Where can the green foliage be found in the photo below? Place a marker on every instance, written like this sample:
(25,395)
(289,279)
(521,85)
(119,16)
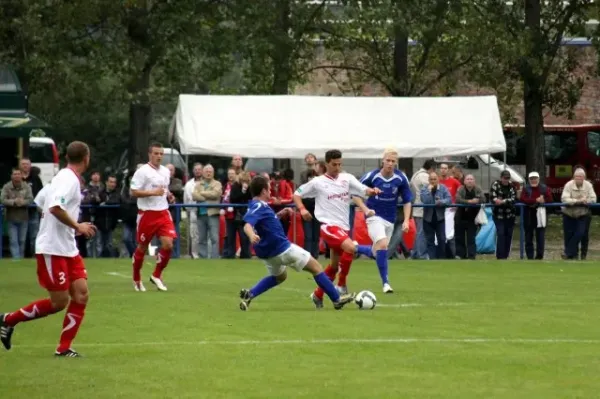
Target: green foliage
(373,40)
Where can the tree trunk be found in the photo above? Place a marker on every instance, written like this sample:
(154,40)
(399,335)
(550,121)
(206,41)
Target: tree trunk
(282,50)
(139,133)
(534,128)
(533,92)
(400,84)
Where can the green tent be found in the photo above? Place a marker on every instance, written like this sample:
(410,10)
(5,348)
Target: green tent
(21,125)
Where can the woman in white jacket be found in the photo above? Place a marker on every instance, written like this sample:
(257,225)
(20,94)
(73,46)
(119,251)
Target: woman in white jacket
(577,194)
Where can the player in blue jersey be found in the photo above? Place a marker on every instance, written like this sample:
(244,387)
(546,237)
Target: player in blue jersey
(271,244)
(380,211)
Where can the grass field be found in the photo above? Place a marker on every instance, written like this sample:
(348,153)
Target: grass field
(479,329)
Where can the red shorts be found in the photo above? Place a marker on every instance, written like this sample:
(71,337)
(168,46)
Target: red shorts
(334,236)
(154,223)
(56,273)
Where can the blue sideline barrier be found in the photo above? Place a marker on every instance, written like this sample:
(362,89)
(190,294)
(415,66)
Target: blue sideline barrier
(178,207)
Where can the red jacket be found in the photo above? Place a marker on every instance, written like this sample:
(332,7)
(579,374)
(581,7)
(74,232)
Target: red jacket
(452,185)
(530,199)
(282,190)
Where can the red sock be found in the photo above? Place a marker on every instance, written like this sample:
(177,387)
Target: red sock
(73,319)
(345,263)
(162,260)
(329,272)
(35,310)
(138,262)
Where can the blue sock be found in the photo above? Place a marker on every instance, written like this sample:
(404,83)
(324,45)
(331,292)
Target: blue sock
(382,265)
(366,250)
(263,285)
(323,281)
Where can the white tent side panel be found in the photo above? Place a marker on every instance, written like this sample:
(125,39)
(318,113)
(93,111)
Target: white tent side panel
(360,127)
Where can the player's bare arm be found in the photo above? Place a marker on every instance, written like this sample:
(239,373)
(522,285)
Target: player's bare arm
(157,192)
(86,229)
(252,236)
(363,207)
(407,213)
(303,212)
(285,212)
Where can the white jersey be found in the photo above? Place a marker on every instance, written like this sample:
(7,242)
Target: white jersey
(149,178)
(54,237)
(40,198)
(332,197)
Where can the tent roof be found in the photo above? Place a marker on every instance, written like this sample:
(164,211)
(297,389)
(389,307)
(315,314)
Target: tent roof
(19,124)
(360,127)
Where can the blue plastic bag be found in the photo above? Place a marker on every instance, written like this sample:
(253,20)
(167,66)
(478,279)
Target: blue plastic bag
(486,238)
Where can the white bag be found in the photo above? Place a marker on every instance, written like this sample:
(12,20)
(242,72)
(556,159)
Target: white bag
(481,217)
(449,218)
(541,217)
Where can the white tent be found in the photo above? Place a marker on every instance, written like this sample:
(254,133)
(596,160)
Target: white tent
(360,127)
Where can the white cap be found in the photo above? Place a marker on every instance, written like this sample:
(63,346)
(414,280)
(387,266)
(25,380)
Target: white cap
(534,174)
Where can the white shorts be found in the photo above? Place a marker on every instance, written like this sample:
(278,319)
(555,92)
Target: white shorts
(294,257)
(379,228)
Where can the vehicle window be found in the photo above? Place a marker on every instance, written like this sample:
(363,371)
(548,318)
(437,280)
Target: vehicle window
(41,153)
(593,139)
(259,165)
(560,147)
(515,149)
(175,159)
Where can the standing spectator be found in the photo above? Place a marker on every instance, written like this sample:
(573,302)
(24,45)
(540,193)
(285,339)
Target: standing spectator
(464,220)
(190,186)
(80,240)
(434,222)
(237,164)
(91,202)
(129,212)
(175,188)
(240,194)
(533,196)
(208,192)
(311,164)
(288,177)
(452,185)
(397,240)
(281,195)
(458,174)
(16,196)
(311,228)
(577,194)
(107,218)
(585,240)
(229,249)
(31,175)
(418,182)
(503,196)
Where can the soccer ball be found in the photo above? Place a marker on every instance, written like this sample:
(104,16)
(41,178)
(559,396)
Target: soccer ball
(365,300)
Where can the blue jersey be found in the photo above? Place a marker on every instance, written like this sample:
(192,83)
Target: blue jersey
(273,240)
(393,189)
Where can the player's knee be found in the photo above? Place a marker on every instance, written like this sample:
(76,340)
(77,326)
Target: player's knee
(167,245)
(81,296)
(313,267)
(59,299)
(282,277)
(381,244)
(348,247)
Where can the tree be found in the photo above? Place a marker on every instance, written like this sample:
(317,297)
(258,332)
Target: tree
(97,66)
(275,42)
(534,32)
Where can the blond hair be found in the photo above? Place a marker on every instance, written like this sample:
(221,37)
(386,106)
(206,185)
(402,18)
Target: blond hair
(390,151)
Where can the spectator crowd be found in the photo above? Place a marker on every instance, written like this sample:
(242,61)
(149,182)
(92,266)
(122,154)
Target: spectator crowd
(443,231)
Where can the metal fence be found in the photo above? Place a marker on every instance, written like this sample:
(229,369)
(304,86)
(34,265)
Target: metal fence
(179,207)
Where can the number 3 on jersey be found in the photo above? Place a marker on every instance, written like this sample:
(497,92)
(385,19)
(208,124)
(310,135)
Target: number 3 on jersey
(61,278)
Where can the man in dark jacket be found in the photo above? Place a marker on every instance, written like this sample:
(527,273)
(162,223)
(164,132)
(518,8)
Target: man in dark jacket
(107,218)
(503,196)
(31,175)
(464,220)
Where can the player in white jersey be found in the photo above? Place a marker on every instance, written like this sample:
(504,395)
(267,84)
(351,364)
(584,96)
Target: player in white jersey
(150,185)
(333,192)
(60,268)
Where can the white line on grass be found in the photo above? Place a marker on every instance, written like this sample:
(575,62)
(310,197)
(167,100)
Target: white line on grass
(117,274)
(338,341)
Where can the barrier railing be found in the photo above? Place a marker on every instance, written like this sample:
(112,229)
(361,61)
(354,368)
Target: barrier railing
(178,208)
